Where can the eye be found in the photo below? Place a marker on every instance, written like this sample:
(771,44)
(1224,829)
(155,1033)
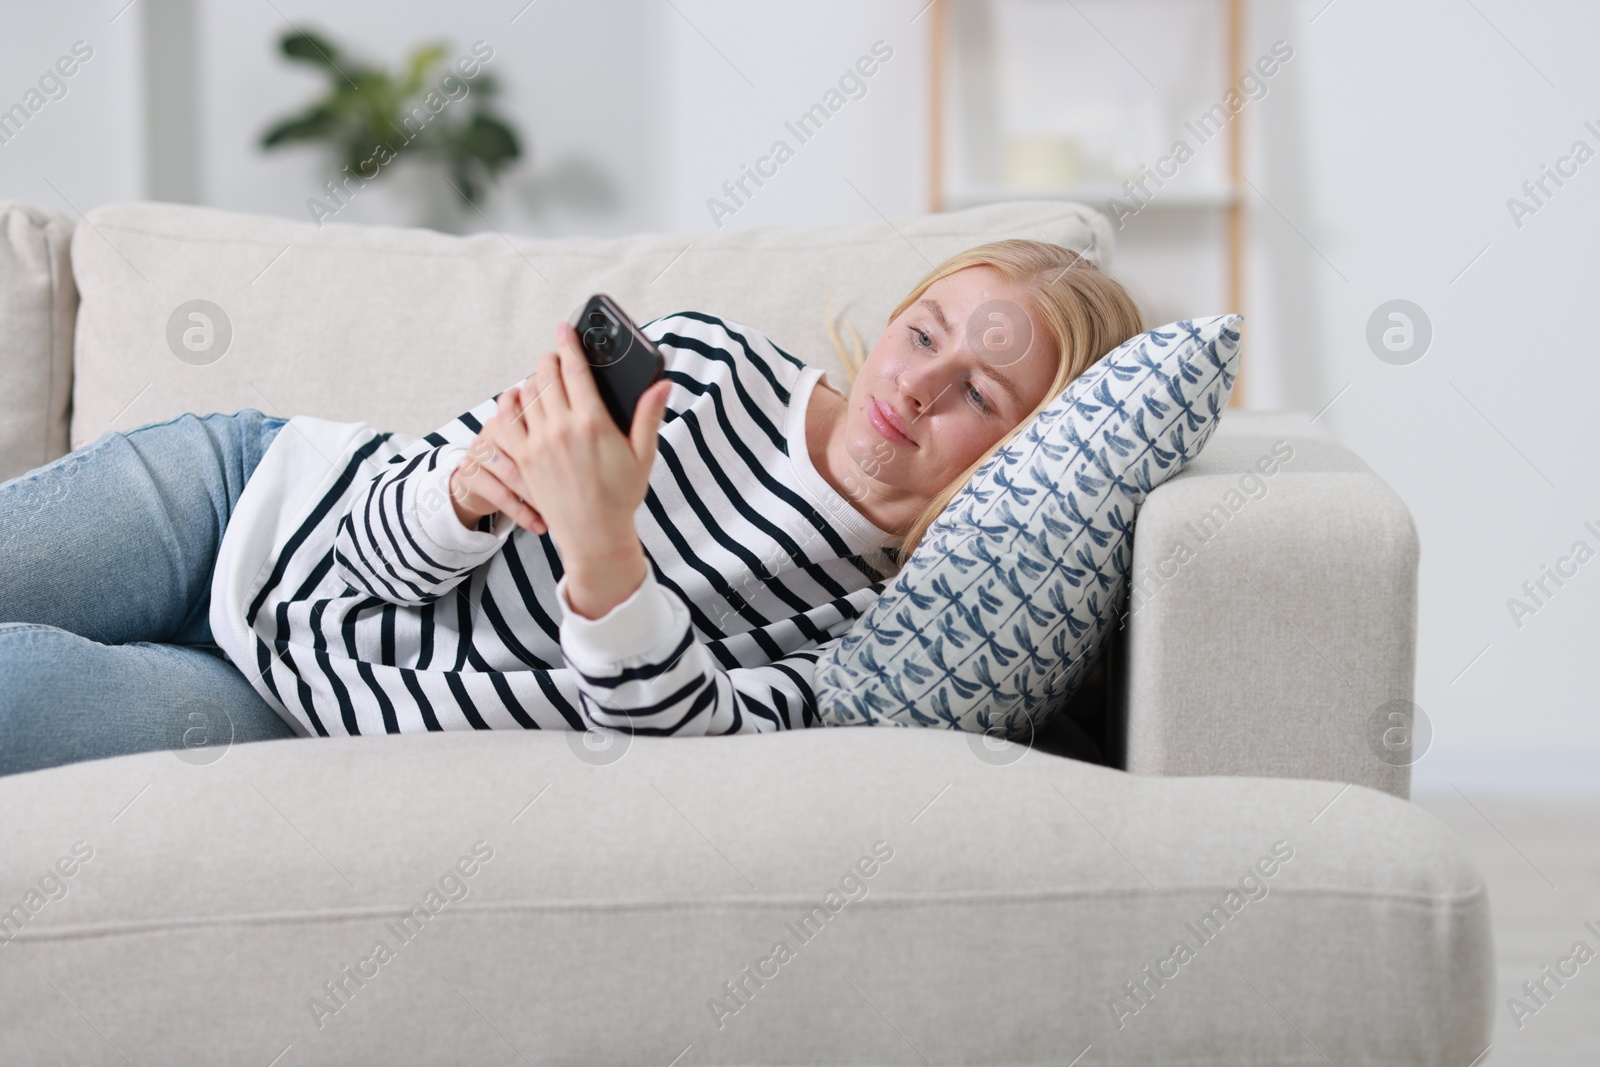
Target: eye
(922,338)
(977,399)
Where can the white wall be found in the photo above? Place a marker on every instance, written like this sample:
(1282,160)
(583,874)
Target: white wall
(1384,155)
(636,112)
(581,82)
(84,148)
(1403,131)
(743,70)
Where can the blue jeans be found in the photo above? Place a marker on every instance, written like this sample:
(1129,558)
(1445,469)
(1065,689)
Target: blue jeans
(106,557)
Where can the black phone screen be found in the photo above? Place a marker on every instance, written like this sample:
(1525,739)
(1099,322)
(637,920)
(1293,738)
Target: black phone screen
(625,363)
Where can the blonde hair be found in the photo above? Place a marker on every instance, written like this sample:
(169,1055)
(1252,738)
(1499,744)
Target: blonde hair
(1083,310)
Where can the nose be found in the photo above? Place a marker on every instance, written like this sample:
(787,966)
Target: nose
(924,382)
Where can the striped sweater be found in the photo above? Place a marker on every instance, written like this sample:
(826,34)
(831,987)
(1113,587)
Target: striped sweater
(350,594)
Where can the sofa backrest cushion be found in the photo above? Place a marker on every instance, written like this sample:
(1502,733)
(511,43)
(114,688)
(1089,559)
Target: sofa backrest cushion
(406,328)
(37,304)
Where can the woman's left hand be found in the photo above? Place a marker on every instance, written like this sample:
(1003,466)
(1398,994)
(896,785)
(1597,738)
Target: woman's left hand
(584,477)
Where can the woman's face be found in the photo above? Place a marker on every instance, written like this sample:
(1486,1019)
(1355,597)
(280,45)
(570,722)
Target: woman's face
(949,377)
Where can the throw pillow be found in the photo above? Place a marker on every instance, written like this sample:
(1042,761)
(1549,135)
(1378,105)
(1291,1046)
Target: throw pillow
(995,619)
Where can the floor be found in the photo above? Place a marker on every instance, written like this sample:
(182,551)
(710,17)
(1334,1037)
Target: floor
(1541,859)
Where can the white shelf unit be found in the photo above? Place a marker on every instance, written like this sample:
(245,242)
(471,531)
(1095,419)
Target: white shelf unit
(966,126)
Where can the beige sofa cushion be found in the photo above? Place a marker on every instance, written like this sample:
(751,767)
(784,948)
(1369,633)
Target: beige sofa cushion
(1010,905)
(405,328)
(37,302)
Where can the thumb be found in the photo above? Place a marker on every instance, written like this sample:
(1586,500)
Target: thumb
(647,419)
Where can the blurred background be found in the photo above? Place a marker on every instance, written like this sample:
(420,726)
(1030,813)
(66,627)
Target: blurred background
(1400,195)
(1432,152)
(1376,162)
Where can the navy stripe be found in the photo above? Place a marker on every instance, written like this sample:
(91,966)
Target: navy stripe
(425,645)
(559,702)
(714,528)
(347,627)
(530,599)
(386,636)
(468,708)
(319,640)
(678,696)
(509,699)
(463,629)
(347,710)
(808,699)
(302,690)
(313,520)
(400,510)
(736,498)
(757,414)
(664,523)
(701,702)
(376,499)
(835,542)
(366,572)
(429,719)
(552,558)
(758,361)
(781,703)
(507,635)
(635,674)
(391,723)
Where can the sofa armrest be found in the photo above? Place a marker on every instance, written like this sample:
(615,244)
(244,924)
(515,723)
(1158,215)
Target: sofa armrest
(1272,615)
(38,305)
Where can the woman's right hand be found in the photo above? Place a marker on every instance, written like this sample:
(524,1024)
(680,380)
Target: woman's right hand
(486,481)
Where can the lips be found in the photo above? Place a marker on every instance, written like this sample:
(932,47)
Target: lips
(887,422)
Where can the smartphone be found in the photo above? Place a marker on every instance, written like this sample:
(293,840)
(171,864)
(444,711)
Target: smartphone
(624,361)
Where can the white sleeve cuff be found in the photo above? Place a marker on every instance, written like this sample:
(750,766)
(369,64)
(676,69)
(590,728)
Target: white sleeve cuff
(641,630)
(434,513)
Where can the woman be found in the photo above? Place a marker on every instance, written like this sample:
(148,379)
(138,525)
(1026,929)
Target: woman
(527,565)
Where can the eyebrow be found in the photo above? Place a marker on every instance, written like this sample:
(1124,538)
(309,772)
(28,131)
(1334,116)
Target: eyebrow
(1006,384)
(938,313)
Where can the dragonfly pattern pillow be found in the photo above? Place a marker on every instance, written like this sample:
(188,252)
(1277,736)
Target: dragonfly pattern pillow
(995,619)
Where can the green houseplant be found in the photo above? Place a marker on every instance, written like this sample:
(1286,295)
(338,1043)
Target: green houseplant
(370,117)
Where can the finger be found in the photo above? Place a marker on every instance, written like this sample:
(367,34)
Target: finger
(487,457)
(498,449)
(491,489)
(499,439)
(576,376)
(550,397)
(512,405)
(478,453)
(647,419)
(530,390)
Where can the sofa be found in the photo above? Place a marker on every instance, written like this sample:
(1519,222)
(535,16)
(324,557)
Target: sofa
(1207,857)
